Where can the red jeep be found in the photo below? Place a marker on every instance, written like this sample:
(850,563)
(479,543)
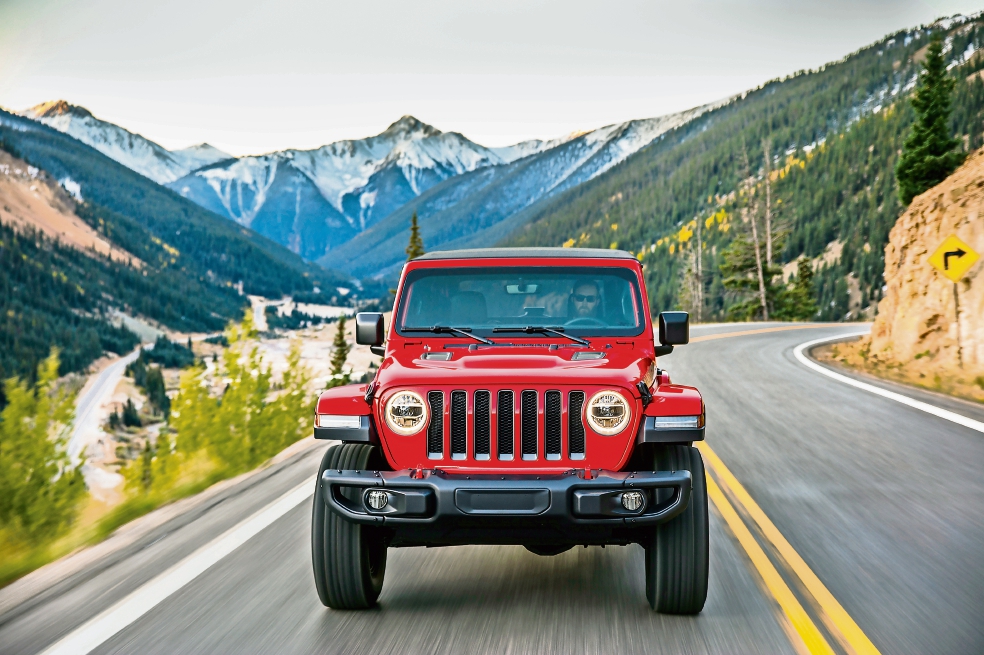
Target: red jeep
(518,402)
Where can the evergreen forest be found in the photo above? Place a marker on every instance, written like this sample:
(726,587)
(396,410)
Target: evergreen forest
(198,266)
(56,296)
(832,137)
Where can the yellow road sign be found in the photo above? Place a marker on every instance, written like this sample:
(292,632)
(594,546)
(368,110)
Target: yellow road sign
(954,258)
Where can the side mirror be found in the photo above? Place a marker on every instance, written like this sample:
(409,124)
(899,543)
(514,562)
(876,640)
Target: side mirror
(369,329)
(674,328)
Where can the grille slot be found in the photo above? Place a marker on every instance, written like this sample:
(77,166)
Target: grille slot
(435,431)
(551,424)
(483,424)
(504,413)
(459,424)
(575,428)
(529,421)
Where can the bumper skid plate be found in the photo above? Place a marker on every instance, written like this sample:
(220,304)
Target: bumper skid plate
(573,498)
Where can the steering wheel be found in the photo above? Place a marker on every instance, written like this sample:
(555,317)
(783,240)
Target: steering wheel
(587,321)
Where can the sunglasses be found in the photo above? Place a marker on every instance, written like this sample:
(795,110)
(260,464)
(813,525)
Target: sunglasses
(580,297)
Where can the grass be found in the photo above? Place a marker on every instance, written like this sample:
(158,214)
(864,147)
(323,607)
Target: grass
(923,371)
(98,520)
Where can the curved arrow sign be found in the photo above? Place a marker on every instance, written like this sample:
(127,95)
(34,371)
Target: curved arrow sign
(953,258)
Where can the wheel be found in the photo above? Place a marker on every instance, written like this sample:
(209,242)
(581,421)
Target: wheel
(676,558)
(349,559)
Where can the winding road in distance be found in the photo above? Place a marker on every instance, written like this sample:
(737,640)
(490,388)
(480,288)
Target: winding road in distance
(841,520)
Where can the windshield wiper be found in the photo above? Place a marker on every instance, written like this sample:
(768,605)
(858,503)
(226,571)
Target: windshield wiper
(461,332)
(539,329)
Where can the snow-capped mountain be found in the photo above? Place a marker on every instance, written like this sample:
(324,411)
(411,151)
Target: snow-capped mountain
(315,200)
(194,157)
(481,207)
(347,204)
(132,150)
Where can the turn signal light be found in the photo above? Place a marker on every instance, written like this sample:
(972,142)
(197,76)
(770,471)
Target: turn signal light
(336,421)
(678,422)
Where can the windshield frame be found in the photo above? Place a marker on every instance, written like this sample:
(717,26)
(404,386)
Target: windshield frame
(580,268)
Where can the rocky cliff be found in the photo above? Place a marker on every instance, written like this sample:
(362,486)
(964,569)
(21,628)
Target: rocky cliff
(917,325)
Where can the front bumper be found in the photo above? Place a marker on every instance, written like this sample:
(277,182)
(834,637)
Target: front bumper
(432,507)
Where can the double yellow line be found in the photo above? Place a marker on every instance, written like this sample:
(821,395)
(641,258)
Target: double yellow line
(838,622)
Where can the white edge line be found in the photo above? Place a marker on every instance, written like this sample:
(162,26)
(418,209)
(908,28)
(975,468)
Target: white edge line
(96,631)
(884,393)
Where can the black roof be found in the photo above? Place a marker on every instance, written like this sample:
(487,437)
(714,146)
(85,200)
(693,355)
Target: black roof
(500,253)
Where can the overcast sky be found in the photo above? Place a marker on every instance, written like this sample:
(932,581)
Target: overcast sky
(252,77)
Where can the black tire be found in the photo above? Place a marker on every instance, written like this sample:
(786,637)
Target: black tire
(676,558)
(349,559)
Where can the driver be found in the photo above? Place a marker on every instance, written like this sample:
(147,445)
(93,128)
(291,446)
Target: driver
(586,300)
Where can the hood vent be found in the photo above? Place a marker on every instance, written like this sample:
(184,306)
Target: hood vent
(586,354)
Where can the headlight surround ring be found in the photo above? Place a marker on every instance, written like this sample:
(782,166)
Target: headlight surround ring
(608,412)
(406,413)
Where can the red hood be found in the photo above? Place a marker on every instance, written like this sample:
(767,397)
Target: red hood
(622,365)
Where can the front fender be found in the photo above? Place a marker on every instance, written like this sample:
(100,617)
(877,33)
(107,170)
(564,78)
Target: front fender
(347,400)
(672,400)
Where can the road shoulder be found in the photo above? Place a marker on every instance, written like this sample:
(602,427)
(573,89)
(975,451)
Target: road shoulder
(77,567)
(961,406)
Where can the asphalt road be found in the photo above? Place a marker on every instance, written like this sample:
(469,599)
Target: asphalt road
(885,504)
(92,397)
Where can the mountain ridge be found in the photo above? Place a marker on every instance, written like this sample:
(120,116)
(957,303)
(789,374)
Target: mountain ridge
(128,148)
(478,208)
(315,201)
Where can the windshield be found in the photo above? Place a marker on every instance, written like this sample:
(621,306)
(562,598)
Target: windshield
(585,301)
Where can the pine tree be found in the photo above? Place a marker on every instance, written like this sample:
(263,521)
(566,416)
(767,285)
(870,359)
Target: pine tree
(929,155)
(156,391)
(416,246)
(752,213)
(798,303)
(340,351)
(162,462)
(147,468)
(130,416)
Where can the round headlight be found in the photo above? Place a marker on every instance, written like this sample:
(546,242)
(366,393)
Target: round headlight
(608,412)
(406,413)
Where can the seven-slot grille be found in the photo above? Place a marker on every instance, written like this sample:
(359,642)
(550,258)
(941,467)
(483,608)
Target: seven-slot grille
(512,424)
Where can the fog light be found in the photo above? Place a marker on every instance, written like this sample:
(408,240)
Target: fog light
(377,499)
(633,500)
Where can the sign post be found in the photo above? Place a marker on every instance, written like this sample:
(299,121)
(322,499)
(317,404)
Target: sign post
(953,259)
